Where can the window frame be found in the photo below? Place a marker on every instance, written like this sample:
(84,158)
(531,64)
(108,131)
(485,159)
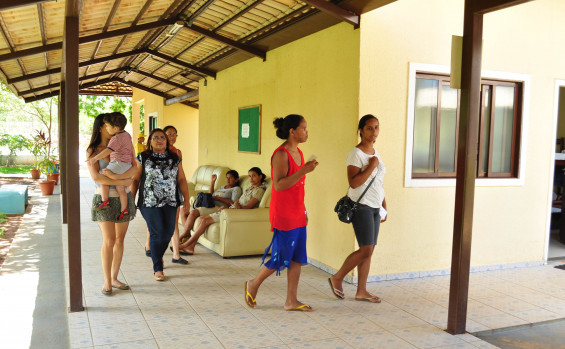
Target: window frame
(521,138)
(443,81)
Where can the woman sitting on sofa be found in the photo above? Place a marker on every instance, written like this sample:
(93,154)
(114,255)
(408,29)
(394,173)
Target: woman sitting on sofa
(223,197)
(250,199)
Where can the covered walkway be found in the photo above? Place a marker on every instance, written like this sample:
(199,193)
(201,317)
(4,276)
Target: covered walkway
(202,304)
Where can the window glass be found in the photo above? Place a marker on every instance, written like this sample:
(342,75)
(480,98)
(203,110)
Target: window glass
(448,129)
(425,126)
(502,129)
(486,128)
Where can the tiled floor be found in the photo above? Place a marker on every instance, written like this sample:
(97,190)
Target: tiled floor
(202,304)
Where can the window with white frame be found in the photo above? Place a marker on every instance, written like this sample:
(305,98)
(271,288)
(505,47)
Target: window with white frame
(436,123)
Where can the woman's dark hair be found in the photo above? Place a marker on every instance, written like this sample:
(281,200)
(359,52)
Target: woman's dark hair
(235,175)
(364,119)
(168,127)
(259,172)
(96,137)
(283,126)
(149,150)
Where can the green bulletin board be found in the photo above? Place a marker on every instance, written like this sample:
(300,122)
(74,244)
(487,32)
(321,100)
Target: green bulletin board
(249,129)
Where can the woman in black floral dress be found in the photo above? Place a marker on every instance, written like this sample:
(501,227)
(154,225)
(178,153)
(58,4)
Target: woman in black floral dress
(162,180)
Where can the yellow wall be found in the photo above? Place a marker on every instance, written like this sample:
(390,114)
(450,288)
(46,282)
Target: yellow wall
(182,117)
(510,223)
(317,77)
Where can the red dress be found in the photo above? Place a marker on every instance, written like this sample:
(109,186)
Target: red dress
(287,209)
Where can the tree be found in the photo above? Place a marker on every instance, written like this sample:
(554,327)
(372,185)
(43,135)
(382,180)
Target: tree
(14,144)
(92,106)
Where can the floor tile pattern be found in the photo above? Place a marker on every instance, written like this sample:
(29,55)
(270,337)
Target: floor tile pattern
(202,305)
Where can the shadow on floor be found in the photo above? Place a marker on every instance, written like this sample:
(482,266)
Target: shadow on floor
(550,335)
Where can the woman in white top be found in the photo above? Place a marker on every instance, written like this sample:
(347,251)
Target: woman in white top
(363,164)
(224,196)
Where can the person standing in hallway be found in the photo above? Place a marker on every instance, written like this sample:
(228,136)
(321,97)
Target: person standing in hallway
(162,181)
(113,230)
(364,165)
(139,146)
(172,135)
(287,213)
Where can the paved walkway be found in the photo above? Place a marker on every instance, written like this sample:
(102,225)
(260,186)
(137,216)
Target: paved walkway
(202,304)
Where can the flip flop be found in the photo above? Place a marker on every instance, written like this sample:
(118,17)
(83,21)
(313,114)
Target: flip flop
(338,293)
(303,307)
(121,287)
(182,252)
(377,299)
(247,294)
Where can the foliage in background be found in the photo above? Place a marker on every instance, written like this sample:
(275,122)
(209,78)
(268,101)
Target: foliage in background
(14,143)
(3,219)
(142,118)
(92,106)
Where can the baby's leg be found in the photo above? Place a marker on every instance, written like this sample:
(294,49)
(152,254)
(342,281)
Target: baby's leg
(123,197)
(104,192)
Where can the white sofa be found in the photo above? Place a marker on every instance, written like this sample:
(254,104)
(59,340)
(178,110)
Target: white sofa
(201,179)
(240,232)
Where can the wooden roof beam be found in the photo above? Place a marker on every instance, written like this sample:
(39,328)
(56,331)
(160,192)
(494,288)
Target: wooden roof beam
(238,45)
(336,11)
(144,88)
(86,77)
(486,6)
(81,64)
(86,39)
(199,11)
(12,4)
(56,93)
(163,80)
(181,63)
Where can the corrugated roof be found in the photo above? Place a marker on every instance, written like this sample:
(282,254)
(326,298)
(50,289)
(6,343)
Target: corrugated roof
(162,46)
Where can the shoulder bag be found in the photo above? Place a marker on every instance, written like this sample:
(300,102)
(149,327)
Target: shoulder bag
(345,207)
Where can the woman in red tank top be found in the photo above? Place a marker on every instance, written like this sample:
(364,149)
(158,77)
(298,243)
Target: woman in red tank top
(287,212)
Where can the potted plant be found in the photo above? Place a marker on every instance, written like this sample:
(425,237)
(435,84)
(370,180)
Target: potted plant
(35,146)
(45,162)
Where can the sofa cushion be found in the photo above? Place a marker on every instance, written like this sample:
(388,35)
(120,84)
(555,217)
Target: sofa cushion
(266,200)
(213,233)
(202,177)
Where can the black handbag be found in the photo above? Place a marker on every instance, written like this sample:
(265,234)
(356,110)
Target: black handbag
(345,207)
(204,200)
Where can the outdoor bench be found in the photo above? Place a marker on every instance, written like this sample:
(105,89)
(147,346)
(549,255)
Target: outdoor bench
(13,198)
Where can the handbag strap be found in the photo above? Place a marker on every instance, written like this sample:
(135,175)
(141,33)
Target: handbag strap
(364,191)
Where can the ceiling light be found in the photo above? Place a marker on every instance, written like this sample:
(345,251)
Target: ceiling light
(177,26)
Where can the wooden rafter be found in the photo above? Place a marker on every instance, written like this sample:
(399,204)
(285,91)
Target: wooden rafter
(56,85)
(222,39)
(43,41)
(150,38)
(162,80)
(56,93)
(199,11)
(144,88)
(336,11)
(237,15)
(85,39)
(11,48)
(486,6)
(81,64)
(182,63)
(12,4)
(104,30)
